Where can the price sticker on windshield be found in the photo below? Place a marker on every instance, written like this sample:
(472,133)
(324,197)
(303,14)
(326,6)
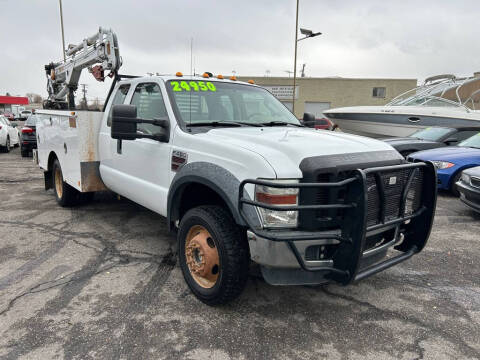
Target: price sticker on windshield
(192,86)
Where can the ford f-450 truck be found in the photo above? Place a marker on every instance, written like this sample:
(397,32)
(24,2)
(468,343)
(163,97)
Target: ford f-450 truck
(240,179)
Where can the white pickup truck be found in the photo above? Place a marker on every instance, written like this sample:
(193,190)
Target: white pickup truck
(240,179)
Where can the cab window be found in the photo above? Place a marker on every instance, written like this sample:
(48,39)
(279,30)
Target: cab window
(119,98)
(149,102)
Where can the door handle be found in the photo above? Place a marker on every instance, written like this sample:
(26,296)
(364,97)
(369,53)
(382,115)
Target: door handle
(413,119)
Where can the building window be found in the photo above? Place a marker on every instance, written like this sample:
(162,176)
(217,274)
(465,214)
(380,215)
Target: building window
(379,92)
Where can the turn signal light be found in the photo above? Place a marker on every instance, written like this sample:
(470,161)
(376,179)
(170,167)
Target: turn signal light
(26,130)
(274,199)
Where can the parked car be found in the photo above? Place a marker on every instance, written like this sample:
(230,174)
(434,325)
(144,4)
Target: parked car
(432,138)
(317,123)
(9,115)
(8,134)
(451,161)
(469,188)
(24,114)
(28,136)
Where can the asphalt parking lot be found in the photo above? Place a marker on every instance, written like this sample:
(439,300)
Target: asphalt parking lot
(101,281)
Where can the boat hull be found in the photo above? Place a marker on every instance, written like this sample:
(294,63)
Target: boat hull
(393,125)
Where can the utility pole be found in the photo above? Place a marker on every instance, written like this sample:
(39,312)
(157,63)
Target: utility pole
(84,90)
(63,34)
(295,62)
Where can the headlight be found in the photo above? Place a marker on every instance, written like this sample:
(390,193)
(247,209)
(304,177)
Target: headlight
(465,178)
(442,164)
(277,197)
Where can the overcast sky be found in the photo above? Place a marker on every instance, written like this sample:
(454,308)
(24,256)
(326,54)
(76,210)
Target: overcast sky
(394,39)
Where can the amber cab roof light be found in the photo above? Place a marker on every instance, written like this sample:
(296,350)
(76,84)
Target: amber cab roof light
(219,76)
(233,77)
(251,81)
(206,75)
(179,74)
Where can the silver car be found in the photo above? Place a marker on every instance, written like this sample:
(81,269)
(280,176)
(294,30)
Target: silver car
(469,188)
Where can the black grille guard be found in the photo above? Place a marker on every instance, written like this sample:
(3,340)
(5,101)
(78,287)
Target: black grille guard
(353,231)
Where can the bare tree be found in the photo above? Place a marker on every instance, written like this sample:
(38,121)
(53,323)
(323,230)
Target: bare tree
(37,99)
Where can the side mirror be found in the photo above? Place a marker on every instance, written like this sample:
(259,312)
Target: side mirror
(451,141)
(308,120)
(124,125)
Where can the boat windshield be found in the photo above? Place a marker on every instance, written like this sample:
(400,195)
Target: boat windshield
(431,133)
(442,91)
(433,101)
(216,103)
(473,142)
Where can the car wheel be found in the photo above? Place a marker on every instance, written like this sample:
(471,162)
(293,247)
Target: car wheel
(64,193)
(453,186)
(213,254)
(7,144)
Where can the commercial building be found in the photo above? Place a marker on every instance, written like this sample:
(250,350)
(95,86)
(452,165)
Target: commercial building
(9,103)
(314,95)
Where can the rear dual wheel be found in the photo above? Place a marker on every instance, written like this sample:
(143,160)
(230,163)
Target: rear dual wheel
(213,254)
(64,193)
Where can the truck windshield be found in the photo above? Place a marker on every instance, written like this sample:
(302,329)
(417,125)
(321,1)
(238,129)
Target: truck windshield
(213,102)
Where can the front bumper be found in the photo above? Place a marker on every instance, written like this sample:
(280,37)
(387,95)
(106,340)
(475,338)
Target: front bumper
(283,254)
(469,195)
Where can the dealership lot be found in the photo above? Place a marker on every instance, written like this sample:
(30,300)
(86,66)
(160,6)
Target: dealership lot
(101,281)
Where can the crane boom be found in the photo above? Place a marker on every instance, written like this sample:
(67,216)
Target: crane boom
(100,49)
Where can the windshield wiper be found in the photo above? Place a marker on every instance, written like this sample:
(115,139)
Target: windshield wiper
(279,123)
(216,123)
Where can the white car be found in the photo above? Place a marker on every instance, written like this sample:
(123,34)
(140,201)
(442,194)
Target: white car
(8,134)
(24,114)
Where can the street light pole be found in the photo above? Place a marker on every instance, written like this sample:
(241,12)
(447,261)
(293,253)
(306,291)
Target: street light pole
(295,62)
(63,35)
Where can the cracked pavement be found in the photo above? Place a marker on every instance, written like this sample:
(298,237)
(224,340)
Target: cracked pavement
(101,281)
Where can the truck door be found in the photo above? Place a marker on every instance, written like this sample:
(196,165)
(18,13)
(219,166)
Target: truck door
(144,164)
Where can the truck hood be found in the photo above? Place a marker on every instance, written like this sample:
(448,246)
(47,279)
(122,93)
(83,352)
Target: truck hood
(285,147)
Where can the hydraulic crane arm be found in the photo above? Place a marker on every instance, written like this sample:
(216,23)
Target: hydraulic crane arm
(100,50)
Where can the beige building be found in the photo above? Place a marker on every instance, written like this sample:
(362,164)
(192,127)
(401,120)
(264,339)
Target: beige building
(314,95)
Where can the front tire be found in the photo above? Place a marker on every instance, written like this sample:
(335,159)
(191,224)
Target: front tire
(64,193)
(213,254)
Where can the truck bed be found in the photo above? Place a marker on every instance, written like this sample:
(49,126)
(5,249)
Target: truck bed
(72,136)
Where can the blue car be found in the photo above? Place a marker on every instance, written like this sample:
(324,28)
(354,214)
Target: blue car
(450,161)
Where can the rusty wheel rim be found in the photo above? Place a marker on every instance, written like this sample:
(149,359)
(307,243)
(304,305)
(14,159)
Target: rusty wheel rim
(202,257)
(58,182)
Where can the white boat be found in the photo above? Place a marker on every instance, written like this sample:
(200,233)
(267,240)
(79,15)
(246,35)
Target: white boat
(442,100)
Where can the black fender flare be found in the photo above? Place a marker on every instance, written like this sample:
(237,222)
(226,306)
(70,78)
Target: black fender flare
(217,178)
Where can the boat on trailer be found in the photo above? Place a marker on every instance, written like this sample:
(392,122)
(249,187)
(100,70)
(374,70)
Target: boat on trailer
(442,100)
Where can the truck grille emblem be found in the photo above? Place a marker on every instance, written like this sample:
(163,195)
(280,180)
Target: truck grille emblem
(179,159)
